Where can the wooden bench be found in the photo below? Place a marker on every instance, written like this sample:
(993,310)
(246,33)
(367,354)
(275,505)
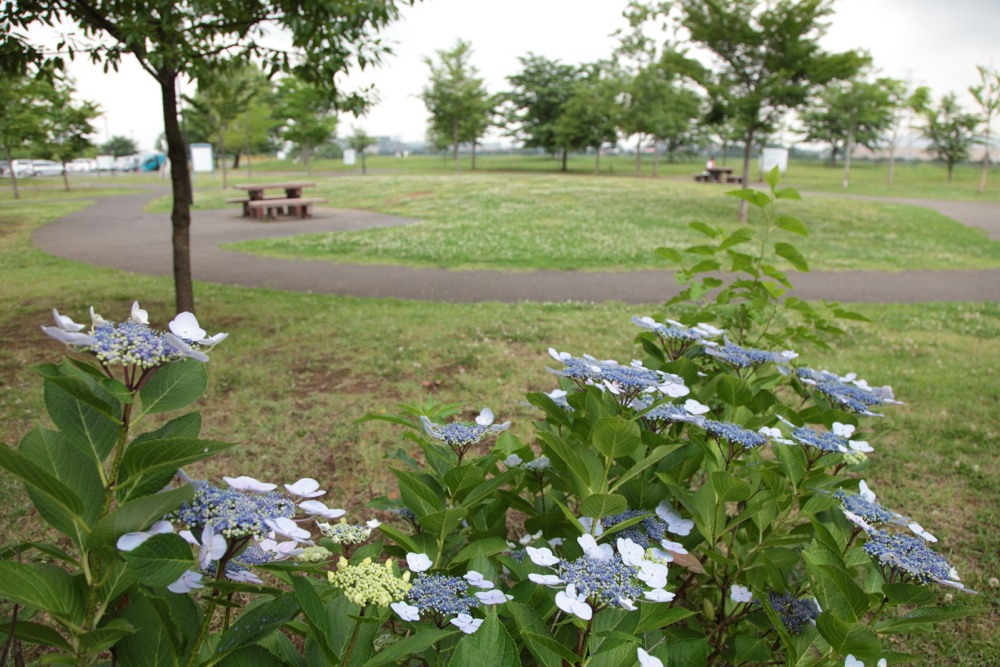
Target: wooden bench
(246,200)
(734,179)
(300,206)
(701,178)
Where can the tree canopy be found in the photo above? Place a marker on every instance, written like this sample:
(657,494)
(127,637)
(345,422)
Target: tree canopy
(950,131)
(456,98)
(768,60)
(536,100)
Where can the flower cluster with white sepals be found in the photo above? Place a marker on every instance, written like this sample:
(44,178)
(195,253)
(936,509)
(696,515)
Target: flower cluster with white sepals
(625,382)
(851,661)
(746,357)
(601,577)
(863,510)
(442,596)
(133,342)
(847,391)
(676,337)
(461,435)
(837,440)
(246,523)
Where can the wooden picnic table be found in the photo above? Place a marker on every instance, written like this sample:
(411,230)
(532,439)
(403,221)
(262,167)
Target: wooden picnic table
(258,203)
(716,173)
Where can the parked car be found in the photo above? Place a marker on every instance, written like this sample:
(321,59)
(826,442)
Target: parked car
(82,164)
(46,168)
(21,168)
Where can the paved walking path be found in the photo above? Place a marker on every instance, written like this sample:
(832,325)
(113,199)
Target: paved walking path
(117,233)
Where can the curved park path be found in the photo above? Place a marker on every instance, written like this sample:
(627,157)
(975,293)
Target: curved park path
(116,232)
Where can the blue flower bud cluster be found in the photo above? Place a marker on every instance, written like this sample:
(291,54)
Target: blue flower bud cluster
(849,395)
(232,513)
(460,434)
(743,357)
(828,441)
(604,581)
(441,594)
(630,379)
(733,433)
(869,510)
(666,412)
(910,555)
(795,613)
(131,344)
(644,533)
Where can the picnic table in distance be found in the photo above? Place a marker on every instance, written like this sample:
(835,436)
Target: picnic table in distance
(716,175)
(258,204)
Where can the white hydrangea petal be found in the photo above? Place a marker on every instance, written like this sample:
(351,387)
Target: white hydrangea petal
(418,562)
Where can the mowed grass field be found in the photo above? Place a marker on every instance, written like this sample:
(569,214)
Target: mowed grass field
(513,221)
(300,369)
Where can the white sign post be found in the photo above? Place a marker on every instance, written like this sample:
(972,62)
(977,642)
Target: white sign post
(201,159)
(350,156)
(774,157)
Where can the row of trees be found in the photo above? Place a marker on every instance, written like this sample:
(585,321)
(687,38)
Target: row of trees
(41,112)
(765,61)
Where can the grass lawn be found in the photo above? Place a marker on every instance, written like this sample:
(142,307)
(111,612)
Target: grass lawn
(514,221)
(299,369)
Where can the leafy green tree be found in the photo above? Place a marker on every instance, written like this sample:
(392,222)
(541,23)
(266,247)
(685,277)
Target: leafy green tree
(308,115)
(949,131)
(589,117)
(24,104)
(537,99)
(67,127)
(223,95)
(987,95)
(173,37)
(768,60)
(456,99)
(119,145)
(904,100)
(360,141)
(851,113)
(254,129)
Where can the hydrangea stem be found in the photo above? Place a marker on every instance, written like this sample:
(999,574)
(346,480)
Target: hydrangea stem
(354,638)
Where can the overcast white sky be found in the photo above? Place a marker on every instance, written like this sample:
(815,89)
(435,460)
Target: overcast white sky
(928,42)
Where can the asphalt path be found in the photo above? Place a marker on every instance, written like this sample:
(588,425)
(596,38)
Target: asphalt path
(116,232)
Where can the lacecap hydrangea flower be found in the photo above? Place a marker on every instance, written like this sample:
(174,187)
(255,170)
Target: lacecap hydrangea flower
(133,342)
(601,577)
(795,613)
(848,391)
(911,558)
(627,382)
(864,511)
(233,514)
(745,357)
(675,337)
(461,435)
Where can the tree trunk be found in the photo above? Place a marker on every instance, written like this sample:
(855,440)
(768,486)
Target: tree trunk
(951,166)
(306,154)
(597,162)
(833,156)
(986,162)
(473,156)
(638,157)
(747,150)
(454,138)
(222,157)
(236,160)
(565,155)
(13,176)
(249,161)
(847,159)
(364,165)
(892,157)
(65,176)
(656,159)
(180,215)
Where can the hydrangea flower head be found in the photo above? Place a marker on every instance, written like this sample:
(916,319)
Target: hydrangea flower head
(912,557)
(232,513)
(733,433)
(346,533)
(129,343)
(625,381)
(848,392)
(745,357)
(461,434)
(370,582)
(795,613)
(441,594)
